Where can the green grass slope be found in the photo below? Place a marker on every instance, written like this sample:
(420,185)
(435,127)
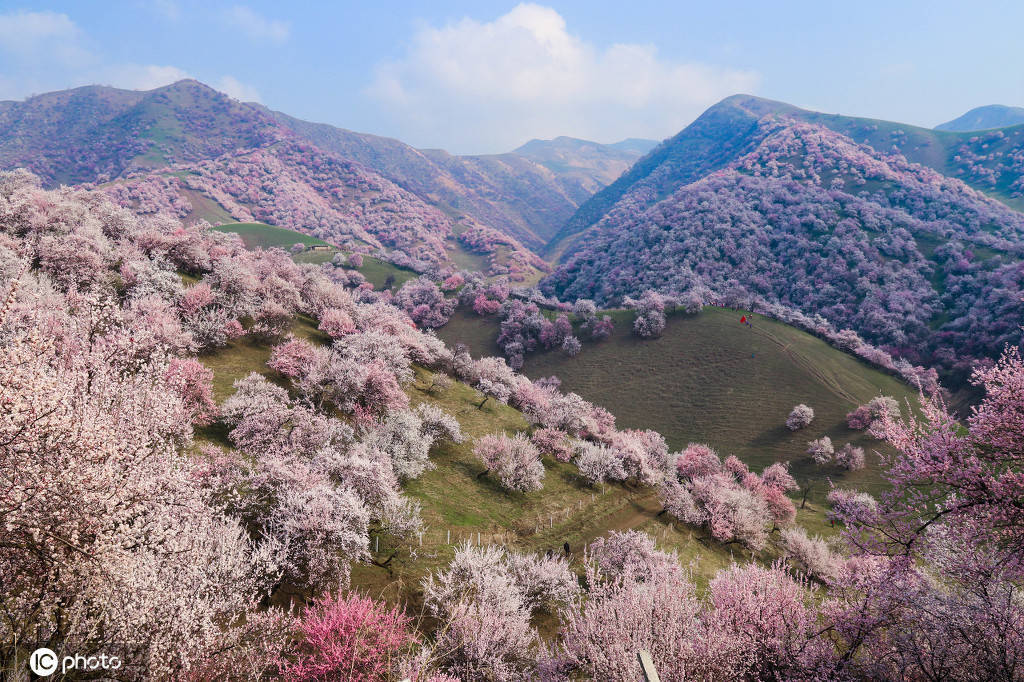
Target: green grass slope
(263,236)
(459,505)
(710,379)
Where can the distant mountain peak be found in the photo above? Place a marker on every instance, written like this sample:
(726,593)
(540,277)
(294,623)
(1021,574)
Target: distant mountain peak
(632,145)
(985,118)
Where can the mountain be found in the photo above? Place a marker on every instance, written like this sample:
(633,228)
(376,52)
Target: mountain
(761,200)
(636,145)
(527,195)
(985,118)
(708,143)
(97,133)
(594,165)
(498,203)
(992,162)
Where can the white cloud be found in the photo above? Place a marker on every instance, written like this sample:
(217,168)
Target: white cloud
(257,27)
(141,76)
(46,51)
(45,36)
(490,86)
(232,87)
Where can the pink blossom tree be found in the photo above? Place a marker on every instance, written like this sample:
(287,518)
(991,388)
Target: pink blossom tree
(193,381)
(348,637)
(850,457)
(554,442)
(821,449)
(800,417)
(513,461)
(425,303)
(336,323)
(650,315)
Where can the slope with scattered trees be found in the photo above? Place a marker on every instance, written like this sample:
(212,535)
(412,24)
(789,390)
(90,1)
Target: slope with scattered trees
(915,262)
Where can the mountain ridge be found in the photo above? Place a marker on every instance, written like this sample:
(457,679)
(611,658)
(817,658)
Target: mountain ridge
(514,192)
(800,215)
(992,162)
(985,117)
(99,134)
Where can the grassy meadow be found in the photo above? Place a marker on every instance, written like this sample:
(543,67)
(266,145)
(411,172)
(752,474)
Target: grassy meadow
(706,379)
(710,379)
(263,236)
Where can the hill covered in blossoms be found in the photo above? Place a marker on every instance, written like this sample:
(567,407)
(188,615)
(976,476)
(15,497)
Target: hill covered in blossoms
(99,134)
(204,449)
(991,161)
(295,185)
(738,209)
(527,193)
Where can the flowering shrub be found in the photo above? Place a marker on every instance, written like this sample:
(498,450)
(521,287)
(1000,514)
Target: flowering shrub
(514,461)
(799,418)
(348,637)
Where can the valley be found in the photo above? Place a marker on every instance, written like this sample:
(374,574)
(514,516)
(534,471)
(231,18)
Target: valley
(332,406)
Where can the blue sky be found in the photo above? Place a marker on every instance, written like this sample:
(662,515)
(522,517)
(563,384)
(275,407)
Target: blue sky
(487,76)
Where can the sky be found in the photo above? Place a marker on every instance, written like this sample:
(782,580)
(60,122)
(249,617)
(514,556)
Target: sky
(484,77)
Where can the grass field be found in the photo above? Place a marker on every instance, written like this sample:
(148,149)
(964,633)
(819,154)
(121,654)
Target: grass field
(466,259)
(378,272)
(260,235)
(205,208)
(459,505)
(698,382)
(710,379)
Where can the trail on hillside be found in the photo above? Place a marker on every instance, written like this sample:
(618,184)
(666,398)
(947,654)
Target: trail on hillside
(828,381)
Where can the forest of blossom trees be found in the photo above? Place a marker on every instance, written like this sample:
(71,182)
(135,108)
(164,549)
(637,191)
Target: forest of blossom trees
(95,134)
(914,262)
(295,185)
(994,160)
(127,530)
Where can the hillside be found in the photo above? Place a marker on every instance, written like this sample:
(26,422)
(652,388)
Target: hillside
(96,133)
(295,185)
(705,379)
(593,165)
(985,118)
(526,193)
(717,137)
(457,503)
(99,134)
(913,261)
(992,163)
(708,379)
